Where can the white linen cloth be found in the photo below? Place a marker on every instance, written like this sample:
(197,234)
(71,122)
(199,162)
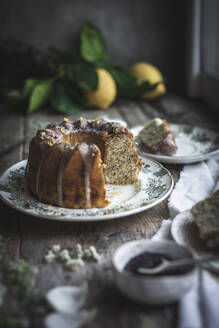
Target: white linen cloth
(199,308)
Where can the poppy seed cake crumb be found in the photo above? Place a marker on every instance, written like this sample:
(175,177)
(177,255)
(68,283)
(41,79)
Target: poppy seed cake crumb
(157,137)
(122,164)
(206,216)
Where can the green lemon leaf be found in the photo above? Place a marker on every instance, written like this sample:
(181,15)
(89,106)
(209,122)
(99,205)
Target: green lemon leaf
(18,97)
(40,95)
(15,97)
(122,77)
(104,63)
(147,86)
(64,57)
(29,85)
(83,75)
(92,43)
(137,90)
(62,101)
(128,86)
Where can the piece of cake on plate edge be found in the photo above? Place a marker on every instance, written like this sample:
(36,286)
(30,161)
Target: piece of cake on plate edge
(158,138)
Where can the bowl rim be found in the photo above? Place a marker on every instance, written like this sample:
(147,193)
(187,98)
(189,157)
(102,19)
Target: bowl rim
(151,278)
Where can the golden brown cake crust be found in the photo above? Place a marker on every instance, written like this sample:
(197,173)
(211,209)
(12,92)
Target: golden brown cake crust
(65,167)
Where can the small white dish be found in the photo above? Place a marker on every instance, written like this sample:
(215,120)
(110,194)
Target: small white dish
(152,290)
(154,185)
(185,233)
(194,143)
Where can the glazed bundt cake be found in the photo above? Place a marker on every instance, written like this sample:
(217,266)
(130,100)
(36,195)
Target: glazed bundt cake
(158,138)
(70,162)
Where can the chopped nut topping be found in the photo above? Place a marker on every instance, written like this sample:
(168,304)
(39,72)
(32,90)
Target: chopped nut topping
(51,142)
(69,146)
(60,212)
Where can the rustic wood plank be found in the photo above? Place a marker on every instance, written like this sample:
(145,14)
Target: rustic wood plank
(131,112)
(150,111)
(12,138)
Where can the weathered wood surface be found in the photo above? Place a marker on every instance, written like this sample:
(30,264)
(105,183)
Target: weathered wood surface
(30,237)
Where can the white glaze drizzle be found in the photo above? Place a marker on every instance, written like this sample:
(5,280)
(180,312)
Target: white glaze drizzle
(87,157)
(62,164)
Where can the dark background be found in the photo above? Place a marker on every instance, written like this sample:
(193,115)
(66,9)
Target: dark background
(140,30)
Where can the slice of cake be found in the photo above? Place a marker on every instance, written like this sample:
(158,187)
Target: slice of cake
(206,216)
(158,138)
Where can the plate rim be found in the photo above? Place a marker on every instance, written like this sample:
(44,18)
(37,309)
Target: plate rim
(86,218)
(176,219)
(179,159)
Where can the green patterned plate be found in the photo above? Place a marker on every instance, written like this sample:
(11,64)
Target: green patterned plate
(194,143)
(154,185)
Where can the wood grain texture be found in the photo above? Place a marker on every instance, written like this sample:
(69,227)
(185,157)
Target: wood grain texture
(11,151)
(31,237)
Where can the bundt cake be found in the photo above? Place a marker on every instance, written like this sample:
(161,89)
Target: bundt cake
(70,162)
(158,138)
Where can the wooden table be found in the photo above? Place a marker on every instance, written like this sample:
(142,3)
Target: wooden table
(31,237)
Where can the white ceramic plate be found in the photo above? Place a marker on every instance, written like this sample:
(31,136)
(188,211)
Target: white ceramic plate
(154,185)
(194,143)
(185,233)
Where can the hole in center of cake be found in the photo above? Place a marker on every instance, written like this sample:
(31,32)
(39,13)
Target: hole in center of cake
(85,137)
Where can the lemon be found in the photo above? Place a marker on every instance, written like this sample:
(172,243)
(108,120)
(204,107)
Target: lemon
(146,72)
(106,90)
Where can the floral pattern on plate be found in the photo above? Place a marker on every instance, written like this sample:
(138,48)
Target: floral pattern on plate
(154,185)
(194,143)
